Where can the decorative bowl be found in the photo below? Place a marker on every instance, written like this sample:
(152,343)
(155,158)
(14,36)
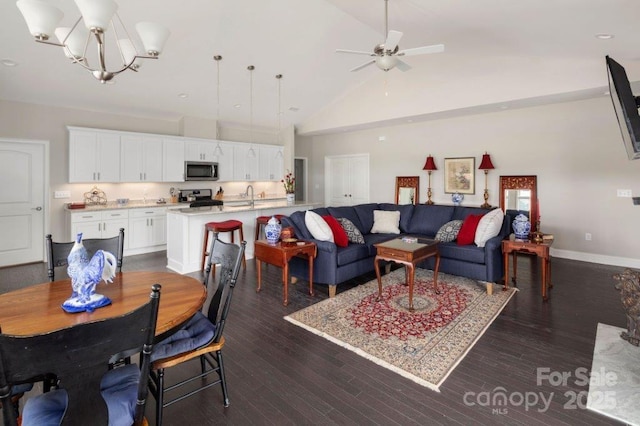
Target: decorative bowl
(122,201)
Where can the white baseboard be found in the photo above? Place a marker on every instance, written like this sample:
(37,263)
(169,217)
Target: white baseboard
(596,258)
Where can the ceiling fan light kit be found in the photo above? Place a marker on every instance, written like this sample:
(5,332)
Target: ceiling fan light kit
(98,17)
(386,54)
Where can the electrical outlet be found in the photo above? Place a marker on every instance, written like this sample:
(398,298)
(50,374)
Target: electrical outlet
(587,236)
(62,194)
(626,193)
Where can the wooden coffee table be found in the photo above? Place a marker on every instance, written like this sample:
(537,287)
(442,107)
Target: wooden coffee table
(408,254)
(279,254)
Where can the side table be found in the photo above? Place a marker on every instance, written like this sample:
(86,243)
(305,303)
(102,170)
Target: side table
(279,254)
(514,246)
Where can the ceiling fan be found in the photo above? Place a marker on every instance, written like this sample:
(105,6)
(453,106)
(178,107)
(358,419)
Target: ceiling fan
(386,55)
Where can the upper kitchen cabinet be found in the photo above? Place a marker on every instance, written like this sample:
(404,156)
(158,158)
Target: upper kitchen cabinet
(199,150)
(246,158)
(94,156)
(173,160)
(271,163)
(141,158)
(224,158)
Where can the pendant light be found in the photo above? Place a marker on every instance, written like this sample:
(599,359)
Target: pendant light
(251,153)
(279,78)
(218,151)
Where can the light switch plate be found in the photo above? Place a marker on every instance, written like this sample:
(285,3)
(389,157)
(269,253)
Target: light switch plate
(626,193)
(62,194)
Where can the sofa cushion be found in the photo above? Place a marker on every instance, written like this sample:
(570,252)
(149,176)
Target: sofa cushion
(385,222)
(460,212)
(468,230)
(489,227)
(365,214)
(353,233)
(352,253)
(297,219)
(469,253)
(406,211)
(339,236)
(318,226)
(346,212)
(321,211)
(427,219)
(449,231)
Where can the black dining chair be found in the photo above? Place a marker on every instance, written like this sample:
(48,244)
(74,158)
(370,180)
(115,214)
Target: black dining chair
(57,253)
(202,336)
(89,390)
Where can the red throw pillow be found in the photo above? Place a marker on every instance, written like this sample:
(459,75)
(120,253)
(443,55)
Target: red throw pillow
(339,236)
(468,230)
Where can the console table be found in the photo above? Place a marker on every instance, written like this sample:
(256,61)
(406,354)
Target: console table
(514,246)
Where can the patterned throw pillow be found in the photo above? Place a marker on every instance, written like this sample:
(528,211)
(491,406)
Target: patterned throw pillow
(449,231)
(353,233)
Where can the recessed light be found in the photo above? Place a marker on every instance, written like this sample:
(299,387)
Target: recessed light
(8,62)
(183,95)
(294,109)
(604,36)
(236,106)
(504,107)
(409,120)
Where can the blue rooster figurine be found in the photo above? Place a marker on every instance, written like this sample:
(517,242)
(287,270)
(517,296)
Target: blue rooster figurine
(85,275)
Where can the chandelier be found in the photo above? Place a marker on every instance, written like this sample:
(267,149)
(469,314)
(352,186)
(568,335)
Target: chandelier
(98,16)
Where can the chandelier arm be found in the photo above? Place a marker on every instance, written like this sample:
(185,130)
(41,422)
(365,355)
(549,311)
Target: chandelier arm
(100,41)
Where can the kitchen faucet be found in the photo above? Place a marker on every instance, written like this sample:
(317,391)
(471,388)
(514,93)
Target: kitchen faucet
(252,202)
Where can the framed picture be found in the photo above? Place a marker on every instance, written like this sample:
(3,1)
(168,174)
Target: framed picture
(460,175)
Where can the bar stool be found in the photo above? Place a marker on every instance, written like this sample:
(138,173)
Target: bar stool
(216,228)
(262,221)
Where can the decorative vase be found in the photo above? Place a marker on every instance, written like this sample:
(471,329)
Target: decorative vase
(457,198)
(521,227)
(272,230)
(291,198)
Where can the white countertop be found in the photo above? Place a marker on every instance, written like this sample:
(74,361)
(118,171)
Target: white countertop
(259,205)
(235,203)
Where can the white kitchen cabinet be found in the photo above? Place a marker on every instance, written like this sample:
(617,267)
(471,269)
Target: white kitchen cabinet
(246,158)
(347,180)
(172,160)
(225,160)
(141,158)
(199,150)
(94,156)
(271,163)
(148,227)
(99,224)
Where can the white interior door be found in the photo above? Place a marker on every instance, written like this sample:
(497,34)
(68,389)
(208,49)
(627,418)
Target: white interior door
(22,201)
(346,180)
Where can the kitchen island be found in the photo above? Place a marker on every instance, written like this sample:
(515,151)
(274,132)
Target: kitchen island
(185,229)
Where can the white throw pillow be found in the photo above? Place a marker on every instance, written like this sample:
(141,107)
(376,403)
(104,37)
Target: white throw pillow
(385,222)
(489,227)
(318,227)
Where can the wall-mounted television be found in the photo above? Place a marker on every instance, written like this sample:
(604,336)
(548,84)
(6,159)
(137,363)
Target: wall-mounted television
(626,107)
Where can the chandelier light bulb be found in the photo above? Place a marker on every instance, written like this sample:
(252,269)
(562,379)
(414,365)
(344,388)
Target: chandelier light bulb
(97,14)
(41,18)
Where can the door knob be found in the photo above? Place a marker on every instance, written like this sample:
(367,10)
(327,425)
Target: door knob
(37,208)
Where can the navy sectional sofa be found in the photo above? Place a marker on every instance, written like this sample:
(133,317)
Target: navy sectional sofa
(334,265)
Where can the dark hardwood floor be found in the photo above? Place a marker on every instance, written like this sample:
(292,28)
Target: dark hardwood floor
(280,374)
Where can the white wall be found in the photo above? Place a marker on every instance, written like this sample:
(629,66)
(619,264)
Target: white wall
(574,148)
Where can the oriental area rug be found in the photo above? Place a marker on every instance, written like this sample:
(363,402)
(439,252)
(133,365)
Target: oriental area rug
(425,345)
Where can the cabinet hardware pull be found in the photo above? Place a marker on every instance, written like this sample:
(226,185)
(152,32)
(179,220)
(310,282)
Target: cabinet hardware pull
(98,175)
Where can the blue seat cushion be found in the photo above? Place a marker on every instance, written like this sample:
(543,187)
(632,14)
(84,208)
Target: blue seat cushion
(427,219)
(119,388)
(365,214)
(346,212)
(352,253)
(468,253)
(198,332)
(25,387)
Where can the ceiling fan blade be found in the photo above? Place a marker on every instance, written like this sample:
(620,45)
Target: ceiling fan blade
(403,66)
(436,48)
(393,38)
(357,52)
(359,67)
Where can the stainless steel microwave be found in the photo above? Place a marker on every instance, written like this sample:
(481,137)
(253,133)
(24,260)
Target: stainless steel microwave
(200,170)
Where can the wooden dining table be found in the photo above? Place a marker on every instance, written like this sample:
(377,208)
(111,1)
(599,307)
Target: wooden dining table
(37,309)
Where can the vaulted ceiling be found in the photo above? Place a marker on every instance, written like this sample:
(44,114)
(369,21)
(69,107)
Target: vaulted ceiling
(498,54)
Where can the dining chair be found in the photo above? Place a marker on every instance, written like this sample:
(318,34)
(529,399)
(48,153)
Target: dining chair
(57,253)
(202,336)
(88,391)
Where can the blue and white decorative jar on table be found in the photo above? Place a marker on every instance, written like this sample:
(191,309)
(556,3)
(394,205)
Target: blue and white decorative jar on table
(521,227)
(457,198)
(272,230)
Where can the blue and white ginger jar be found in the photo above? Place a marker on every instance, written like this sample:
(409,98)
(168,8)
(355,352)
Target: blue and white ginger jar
(521,227)
(272,230)
(457,198)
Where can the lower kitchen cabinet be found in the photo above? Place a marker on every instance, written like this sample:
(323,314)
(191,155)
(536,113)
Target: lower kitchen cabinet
(148,227)
(99,224)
